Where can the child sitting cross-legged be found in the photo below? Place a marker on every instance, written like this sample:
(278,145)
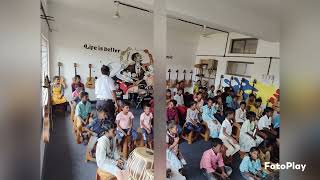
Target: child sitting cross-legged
(174,155)
(225,134)
(212,165)
(248,133)
(124,122)
(208,112)
(192,119)
(146,125)
(250,166)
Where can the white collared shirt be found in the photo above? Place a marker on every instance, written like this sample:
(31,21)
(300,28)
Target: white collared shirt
(104,87)
(264,122)
(225,124)
(179,99)
(240,115)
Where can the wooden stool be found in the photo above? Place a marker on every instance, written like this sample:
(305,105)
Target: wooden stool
(236,130)
(102,175)
(206,133)
(125,147)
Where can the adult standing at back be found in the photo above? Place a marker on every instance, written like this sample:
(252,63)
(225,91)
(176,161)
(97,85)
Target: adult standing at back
(105,93)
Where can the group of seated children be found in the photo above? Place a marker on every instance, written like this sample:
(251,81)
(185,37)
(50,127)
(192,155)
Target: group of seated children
(104,135)
(219,112)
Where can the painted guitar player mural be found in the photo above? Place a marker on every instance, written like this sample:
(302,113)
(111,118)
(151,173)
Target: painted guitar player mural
(134,72)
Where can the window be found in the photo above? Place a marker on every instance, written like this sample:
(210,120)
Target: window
(44,67)
(239,68)
(244,46)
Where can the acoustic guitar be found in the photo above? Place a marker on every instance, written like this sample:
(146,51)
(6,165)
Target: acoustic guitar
(184,77)
(62,81)
(169,80)
(189,84)
(90,79)
(253,84)
(75,65)
(230,83)
(221,77)
(177,77)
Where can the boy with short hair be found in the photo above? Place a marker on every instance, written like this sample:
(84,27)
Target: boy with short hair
(264,124)
(97,127)
(225,134)
(241,113)
(192,119)
(179,98)
(211,92)
(77,83)
(146,124)
(124,122)
(107,155)
(119,94)
(256,107)
(250,166)
(83,113)
(213,124)
(212,164)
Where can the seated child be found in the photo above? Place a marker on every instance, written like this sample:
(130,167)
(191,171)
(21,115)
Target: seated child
(168,96)
(107,155)
(83,114)
(77,83)
(212,164)
(265,149)
(192,119)
(256,108)
(264,124)
(179,98)
(172,140)
(199,100)
(218,92)
(248,133)
(57,96)
(172,114)
(119,95)
(241,113)
(250,166)
(96,128)
(208,112)
(218,105)
(211,92)
(234,103)
(76,96)
(124,122)
(250,101)
(225,134)
(146,125)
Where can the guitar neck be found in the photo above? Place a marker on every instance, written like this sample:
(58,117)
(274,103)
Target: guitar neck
(59,71)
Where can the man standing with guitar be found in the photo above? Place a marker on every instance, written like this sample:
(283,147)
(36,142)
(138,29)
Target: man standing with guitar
(105,93)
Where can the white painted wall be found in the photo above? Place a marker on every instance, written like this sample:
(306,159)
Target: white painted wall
(213,46)
(75,27)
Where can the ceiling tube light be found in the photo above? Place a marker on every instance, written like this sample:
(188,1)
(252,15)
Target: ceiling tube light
(116,14)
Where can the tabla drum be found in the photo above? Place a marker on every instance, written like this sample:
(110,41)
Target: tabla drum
(149,175)
(140,160)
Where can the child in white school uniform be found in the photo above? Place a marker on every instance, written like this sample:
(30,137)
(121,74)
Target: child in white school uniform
(248,133)
(225,134)
(241,113)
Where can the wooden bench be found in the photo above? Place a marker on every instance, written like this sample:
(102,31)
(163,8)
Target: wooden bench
(236,131)
(140,141)
(102,175)
(192,136)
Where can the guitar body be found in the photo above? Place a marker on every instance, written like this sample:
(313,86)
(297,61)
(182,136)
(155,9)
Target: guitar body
(90,82)
(90,79)
(189,83)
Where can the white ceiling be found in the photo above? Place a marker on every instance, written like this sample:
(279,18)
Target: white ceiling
(259,18)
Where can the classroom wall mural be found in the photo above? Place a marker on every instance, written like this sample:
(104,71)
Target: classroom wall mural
(133,71)
(266,90)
